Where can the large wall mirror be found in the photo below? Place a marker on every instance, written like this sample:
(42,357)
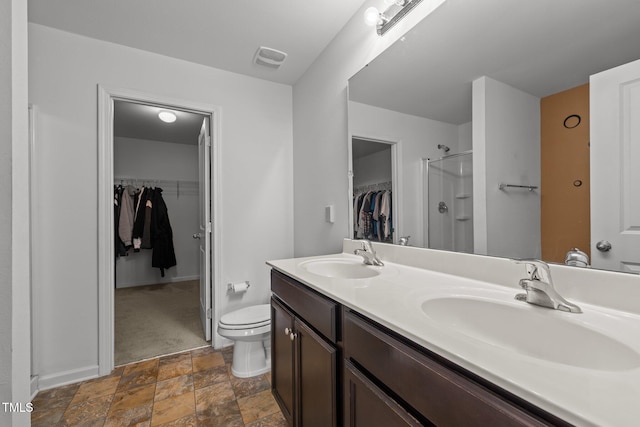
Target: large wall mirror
(488,104)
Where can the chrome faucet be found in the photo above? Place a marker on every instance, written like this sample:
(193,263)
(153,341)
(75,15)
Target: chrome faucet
(368,254)
(539,287)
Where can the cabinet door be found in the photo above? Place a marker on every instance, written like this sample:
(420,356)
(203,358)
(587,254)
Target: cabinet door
(366,405)
(282,367)
(316,372)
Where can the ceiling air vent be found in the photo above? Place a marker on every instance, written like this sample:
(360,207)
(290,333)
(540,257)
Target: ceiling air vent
(269,57)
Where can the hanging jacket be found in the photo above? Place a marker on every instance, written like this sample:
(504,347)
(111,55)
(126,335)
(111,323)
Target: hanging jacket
(163,256)
(125,226)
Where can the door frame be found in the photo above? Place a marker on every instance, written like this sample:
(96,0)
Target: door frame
(396,177)
(106,246)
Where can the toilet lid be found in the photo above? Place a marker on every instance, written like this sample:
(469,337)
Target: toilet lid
(253,315)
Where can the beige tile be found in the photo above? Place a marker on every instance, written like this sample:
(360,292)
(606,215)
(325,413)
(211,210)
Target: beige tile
(138,416)
(174,358)
(257,406)
(214,395)
(140,366)
(138,377)
(203,351)
(243,387)
(175,369)
(133,398)
(188,421)
(88,412)
(273,420)
(225,414)
(104,386)
(211,376)
(46,417)
(174,387)
(173,408)
(203,363)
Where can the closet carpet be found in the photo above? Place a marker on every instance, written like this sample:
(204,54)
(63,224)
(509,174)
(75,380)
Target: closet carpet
(155,320)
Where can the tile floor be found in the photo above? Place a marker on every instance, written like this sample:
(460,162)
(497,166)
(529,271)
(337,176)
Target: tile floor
(193,388)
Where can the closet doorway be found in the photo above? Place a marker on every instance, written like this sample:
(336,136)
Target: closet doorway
(156,283)
(373,190)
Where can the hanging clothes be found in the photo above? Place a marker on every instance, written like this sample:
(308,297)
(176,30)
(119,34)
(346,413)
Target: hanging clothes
(127,215)
(163,256)
(120,249)
(372,215)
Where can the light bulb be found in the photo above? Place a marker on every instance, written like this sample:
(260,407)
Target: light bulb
(371,16)
(167,116)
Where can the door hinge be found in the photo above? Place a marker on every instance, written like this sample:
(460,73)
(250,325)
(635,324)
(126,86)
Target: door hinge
(208,228)
(208,313)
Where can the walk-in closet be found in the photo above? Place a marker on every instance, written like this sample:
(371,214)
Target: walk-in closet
(372,190)
(156,213)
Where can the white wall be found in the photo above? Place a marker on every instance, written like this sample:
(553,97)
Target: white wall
(372,169)
(320,128)
(15,352)
(178,164)
(256,169)
(506,148)
(417,138)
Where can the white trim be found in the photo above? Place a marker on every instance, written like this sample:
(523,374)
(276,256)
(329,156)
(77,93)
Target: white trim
(106,273)
(35,386)
(67,377)
(396,180)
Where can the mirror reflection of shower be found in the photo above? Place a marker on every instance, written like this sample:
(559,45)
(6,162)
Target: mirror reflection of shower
(448,201)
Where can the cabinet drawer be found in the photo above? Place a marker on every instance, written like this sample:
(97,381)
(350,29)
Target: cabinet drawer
(442,396)
(317,310)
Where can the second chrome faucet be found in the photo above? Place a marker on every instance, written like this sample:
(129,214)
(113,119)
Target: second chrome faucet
(539,288)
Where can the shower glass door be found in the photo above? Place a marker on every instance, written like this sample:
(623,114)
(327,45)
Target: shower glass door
(448,191)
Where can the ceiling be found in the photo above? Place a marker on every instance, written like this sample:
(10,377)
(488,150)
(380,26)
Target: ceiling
(139,121)
(541,47)
(219,34)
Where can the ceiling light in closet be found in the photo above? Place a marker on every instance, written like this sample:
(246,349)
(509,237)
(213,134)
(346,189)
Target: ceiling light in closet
(167,116)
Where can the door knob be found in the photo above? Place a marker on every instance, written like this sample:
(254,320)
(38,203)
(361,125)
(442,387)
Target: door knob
(197,236)
(287,331)
(603,246)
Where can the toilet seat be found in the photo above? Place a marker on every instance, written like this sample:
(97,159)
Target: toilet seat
(252,317)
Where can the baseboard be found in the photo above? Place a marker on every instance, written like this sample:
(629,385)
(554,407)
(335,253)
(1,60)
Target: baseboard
(156,282)
(46,382)
(34,386)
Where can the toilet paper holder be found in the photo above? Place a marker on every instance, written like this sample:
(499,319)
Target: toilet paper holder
(238,287)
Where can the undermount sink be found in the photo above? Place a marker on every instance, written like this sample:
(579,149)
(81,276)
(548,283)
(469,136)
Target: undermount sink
(533,331)
(341,268)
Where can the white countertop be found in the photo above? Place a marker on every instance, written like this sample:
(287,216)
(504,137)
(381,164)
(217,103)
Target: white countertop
(584,396)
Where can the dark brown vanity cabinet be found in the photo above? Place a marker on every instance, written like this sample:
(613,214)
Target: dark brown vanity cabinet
(304,355)
(417,384)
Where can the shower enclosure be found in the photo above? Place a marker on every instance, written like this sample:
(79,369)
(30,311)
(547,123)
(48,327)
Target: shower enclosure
(448,202)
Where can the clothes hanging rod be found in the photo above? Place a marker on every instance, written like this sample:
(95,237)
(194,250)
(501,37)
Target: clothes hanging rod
(118,179)
(502,186)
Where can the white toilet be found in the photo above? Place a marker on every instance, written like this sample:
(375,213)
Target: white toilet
(250,329)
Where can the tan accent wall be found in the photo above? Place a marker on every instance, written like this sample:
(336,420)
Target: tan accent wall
(565,217)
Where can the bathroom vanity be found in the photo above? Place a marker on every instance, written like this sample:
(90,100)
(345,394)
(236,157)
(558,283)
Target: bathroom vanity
(400,345)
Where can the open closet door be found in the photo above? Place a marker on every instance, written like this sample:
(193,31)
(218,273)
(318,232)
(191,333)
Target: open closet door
(204,234)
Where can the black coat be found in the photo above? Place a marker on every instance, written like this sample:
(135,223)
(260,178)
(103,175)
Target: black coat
(163,256)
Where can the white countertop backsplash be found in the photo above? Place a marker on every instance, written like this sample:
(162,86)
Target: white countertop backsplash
(582,396)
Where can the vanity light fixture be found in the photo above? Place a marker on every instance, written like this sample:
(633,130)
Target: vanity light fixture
(167,116)
(385,20)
